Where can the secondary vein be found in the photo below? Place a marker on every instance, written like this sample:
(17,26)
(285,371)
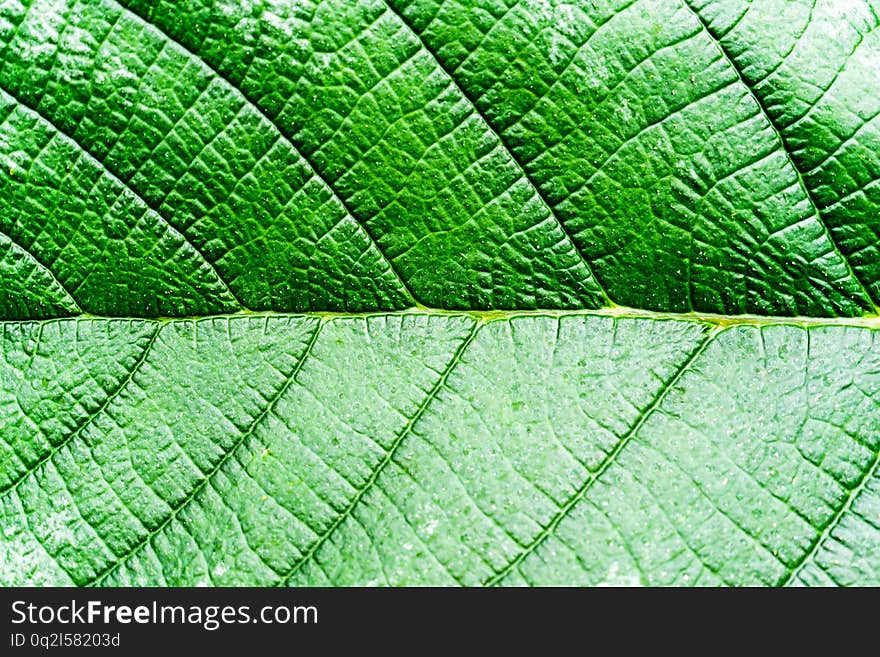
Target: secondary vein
(287,137)
(106,170)
(566,508)
(389,456)
(868,300)
(91,418)
(507,149)
(185,501)
(42,266)
(813,550)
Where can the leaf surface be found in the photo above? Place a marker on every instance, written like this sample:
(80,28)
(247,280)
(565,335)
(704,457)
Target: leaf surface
(438,449)
(439,292)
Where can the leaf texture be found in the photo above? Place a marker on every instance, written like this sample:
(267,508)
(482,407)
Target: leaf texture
(438,449)
(384,292)
(366,156)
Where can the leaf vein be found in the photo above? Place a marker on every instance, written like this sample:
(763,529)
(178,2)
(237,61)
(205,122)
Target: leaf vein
(43,267)
(133,191)
(782,145)
(78,431)
(287,137)
(389,456)
(566,508)
(185,501)
(544,201)
(813,550)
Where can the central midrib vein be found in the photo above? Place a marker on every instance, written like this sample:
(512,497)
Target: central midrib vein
(867,321)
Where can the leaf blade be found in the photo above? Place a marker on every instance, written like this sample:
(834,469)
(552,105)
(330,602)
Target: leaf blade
(407,514)
(380,164)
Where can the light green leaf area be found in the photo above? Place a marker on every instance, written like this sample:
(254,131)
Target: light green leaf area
(386,292)
(438,449)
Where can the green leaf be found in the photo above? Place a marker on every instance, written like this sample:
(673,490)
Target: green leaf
(359,156)
(427,448)
(439,292)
